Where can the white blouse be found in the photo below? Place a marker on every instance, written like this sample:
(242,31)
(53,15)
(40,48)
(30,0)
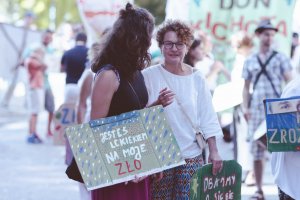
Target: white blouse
(196,100)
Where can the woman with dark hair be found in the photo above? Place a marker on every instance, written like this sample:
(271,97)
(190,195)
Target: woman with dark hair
(194,54)
(119,85)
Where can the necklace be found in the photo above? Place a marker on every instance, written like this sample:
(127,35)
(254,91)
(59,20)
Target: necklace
(137,97)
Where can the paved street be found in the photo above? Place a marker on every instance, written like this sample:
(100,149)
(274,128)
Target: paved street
(269,188)
(32,172)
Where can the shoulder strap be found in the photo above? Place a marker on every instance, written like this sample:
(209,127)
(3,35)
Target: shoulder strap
(263,67)
(195,127)
(108,67)
(264,71)
(135,94)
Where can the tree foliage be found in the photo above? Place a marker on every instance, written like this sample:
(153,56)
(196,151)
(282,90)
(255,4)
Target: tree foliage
(156,7)
(47,12)
(63,11)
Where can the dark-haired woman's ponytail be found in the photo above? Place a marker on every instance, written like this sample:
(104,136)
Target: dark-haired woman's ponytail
(129,6)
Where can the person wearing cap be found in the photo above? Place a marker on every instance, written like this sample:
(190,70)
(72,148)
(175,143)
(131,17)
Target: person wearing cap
(264,72)
(73,61)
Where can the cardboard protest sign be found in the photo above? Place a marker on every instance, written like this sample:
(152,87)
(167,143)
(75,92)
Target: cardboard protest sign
(283,124)
(224,185)
(114,149)
(63,117)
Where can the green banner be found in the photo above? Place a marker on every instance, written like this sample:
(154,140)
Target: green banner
(224,185)
(221,19)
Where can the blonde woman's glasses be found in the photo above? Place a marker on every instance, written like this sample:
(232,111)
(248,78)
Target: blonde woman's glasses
(169,45)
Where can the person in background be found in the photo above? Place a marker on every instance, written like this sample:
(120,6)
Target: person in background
(209,67)
(73,63)
(285,165)
(86,80)
(192,106)
(80,96)
(36,67)
(295,55)
(242,43)
(74,60)
(119,85)
(194,54)
(49,104)
(84,104)
(295,43)
(264,71)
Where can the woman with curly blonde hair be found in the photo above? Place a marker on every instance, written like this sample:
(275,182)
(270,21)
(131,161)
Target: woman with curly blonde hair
(188,107)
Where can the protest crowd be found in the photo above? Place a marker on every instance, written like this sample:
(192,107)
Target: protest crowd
(176,110)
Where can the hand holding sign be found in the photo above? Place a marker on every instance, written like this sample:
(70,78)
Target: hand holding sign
(216,161)
(224,185)
(137,179)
